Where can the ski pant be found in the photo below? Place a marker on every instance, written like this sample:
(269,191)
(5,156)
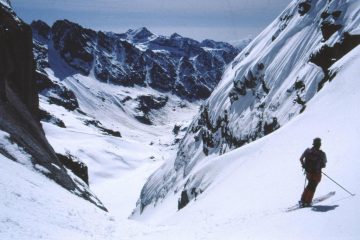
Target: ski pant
(313,181)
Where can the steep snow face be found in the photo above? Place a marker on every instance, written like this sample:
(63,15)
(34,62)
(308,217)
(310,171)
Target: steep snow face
(175,64)
(269,83)
(251,187)
(34,207)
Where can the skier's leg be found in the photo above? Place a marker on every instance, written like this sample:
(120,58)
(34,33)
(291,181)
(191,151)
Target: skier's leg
(314,179)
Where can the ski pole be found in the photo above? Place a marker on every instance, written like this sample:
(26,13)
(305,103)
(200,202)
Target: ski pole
(338,184)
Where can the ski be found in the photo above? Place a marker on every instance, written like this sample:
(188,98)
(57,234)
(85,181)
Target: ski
(314,201)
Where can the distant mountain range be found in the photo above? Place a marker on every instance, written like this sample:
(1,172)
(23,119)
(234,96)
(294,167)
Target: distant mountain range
(175,64)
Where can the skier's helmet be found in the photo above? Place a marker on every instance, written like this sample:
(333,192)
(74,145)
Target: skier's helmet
(317,142)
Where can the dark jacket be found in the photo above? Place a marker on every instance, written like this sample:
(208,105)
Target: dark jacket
(313,160)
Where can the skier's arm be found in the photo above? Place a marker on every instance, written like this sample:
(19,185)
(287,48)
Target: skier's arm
(324,160)
(302,158)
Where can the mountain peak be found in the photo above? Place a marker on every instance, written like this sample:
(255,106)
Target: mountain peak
(140,34)
(66,22)
(41,28)
(175,35)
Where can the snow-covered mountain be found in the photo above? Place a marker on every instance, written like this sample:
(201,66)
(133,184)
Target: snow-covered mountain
(122,90)
(115,89)
(271,82)
(174,64)
(305,62)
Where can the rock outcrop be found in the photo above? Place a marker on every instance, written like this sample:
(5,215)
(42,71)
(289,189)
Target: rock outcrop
(19,106)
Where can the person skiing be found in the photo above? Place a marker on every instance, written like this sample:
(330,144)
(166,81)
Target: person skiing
(312,160)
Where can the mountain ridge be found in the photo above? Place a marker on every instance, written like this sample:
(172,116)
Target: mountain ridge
(139,57)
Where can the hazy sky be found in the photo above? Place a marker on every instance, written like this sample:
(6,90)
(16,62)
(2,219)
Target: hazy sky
(226,20)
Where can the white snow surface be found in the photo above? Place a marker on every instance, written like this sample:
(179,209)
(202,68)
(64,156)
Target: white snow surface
(247,190)
(109,156)
(284,49)
(6,3)
(34,207)
(250,187)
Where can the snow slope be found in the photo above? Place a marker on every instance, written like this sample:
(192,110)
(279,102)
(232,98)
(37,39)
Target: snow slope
(117,166)
(106,155)
(34,207)
(252,186)
(244,191)
(31,205)
(269,83)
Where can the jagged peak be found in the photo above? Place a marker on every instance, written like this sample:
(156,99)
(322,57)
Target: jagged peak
(66,22)
(39,24)
(140,33)
(69,26)
(41,28)
(175,35)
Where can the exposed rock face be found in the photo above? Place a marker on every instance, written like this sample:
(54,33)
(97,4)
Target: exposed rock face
(77,167)
(146,103)
(17,58)
(19,103)
(74,44)
(137,57)
(304,7)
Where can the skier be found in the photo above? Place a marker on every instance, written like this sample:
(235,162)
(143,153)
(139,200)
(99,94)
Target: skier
(312,160)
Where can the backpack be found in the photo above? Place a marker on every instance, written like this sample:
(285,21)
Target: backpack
(315,160)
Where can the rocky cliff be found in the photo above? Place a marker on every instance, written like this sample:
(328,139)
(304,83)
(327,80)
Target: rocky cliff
(19,111)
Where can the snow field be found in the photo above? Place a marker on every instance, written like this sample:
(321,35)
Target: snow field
(252,186)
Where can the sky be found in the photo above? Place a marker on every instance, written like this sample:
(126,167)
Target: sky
(226,20)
